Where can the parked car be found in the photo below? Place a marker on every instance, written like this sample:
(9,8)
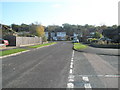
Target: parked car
(75,41)
(3,41)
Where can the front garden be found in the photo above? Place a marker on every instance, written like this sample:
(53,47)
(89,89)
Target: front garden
(103,43)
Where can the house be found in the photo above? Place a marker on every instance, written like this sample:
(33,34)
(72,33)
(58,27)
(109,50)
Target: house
(52,35)
(46,34)
(61,35)
(56,36)
(75,35)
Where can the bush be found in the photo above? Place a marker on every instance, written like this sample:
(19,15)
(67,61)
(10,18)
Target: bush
(90,40)
(44,39)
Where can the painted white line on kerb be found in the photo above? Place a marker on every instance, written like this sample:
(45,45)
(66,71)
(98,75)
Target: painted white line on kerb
(70,85)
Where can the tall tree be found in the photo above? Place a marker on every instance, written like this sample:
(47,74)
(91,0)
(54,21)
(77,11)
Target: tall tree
(40,31)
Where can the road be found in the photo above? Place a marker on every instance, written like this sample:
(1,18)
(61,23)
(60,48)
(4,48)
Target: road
(58,66)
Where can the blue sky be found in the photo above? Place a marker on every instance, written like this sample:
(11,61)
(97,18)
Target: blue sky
(49,12)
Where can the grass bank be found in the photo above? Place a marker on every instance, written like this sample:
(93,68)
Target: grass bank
(11,51)
(41,45)
(78,46)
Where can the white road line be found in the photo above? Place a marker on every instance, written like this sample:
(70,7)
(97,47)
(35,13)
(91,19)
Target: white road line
(71,80)
(71,71)
(87,85)
(85,79)
(71,60)
(71,63)
(117,76)
(70,85)
(71,66)
(73,52)
(71,77)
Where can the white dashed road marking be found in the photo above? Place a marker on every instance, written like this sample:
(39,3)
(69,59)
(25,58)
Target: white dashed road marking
(87,85)
(71,71)
(85,79)
(70,85)
(71,76)
(71,66)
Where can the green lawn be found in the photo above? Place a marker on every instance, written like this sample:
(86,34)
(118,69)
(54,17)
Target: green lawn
(78,46)
(7,52)
(41,45)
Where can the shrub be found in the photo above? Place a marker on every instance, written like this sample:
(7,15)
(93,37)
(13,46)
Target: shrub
(92,40)
(44,39)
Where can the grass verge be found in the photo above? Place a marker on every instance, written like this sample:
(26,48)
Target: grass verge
(11,51)
(78,46)
(41,45)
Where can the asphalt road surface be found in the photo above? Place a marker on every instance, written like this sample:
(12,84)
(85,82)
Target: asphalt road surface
(58,66)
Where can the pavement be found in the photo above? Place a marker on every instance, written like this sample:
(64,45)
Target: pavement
(59,66)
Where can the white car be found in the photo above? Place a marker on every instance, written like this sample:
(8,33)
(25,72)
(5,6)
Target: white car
(75,41)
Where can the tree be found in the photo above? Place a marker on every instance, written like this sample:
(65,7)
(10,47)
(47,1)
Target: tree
(114,26)
(97,35)
(40,31)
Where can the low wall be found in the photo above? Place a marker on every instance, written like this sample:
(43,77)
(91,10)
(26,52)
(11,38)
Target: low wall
(23,41)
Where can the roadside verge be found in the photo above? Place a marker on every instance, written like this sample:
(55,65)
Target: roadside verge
(16,51)
(99,51)
(79,46)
